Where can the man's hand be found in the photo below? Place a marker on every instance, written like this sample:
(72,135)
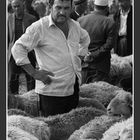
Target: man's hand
(88,58)
(43,76)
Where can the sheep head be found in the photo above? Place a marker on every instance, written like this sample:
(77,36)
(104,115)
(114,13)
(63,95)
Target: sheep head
(121,105)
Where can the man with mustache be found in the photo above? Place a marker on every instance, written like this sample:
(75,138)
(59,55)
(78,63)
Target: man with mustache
(58,41)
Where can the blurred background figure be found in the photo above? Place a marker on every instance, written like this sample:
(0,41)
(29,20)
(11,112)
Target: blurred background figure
(101,29)
(80,6)
(29,9)
(41,7)
(18,21)
(123,19)
(90,6)
(113,7)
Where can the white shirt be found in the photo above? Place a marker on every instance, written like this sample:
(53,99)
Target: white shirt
(123,23)
(54,53)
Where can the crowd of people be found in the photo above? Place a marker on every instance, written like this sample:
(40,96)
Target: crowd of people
(61,44)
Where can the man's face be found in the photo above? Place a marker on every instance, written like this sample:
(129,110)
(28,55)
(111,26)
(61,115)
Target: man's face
(60,11)
(18,6)
(125,5)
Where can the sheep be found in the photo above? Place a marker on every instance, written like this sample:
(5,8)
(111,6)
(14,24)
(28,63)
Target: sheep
(15,133)
(120,130)
(118,59)
(37,128)
(121,104)
(15,111)
(63,125)
(121,67)
(101,91)
(30,104)
(95,128)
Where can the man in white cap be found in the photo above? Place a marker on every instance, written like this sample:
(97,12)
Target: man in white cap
(101,29)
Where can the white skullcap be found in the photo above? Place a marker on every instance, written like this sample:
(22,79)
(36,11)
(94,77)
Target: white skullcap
(101,2)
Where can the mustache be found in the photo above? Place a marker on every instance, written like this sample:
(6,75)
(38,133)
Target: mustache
(62,16)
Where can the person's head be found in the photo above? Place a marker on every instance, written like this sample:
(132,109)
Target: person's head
(18,6)
(80,6)
(124,4)
(41,7)
(10,9)
(101,5)
(60,10)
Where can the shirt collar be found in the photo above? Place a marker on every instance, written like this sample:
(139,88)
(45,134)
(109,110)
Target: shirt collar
(51,23)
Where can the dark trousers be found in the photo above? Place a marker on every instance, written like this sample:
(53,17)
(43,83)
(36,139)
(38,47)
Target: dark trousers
(122,48)
(15,71)
(50,105)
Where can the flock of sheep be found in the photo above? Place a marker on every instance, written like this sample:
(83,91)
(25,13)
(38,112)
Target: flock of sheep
(104,112)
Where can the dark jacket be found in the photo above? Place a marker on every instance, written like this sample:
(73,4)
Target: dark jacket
(129,30)
(27,21)
(101,30)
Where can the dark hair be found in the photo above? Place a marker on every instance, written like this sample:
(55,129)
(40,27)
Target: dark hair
(51,2)
(100,7)
(124,0)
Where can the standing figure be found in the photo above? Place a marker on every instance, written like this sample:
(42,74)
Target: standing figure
(18,21)
(123,18)
(101,29)
(58,41)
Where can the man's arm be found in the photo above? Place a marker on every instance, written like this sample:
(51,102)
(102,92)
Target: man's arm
(108,45)
(27,42)
(41,75)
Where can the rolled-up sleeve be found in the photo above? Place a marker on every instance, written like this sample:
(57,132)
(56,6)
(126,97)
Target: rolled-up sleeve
(27,42)
(84,42)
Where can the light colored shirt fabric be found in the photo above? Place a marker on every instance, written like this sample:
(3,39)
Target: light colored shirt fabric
(54,53)
(123,23)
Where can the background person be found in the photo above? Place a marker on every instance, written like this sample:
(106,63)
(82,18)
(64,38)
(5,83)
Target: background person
(123,19)
(41,7)
(18,21)
(101,29)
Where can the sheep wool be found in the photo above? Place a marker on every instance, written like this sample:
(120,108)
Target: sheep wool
(95,128)
(118,130)
(15,111)
(101,91)
(29,103)
(37,128)
(63,125)
(121,67)
(15,133)
(87,102)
